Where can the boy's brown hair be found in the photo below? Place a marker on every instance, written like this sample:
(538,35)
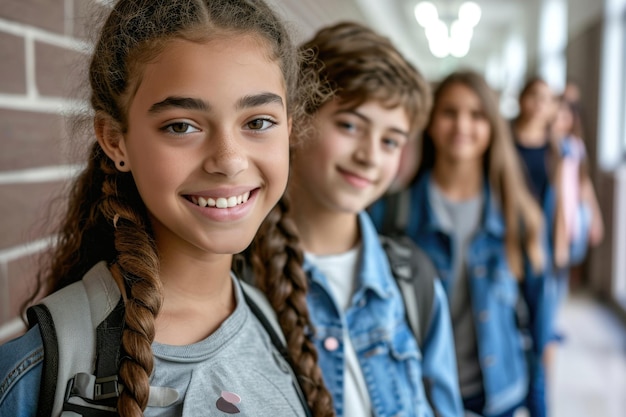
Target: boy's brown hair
(355,65)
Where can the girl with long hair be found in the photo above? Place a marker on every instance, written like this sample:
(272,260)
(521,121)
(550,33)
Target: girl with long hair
(193,103)
(470,211)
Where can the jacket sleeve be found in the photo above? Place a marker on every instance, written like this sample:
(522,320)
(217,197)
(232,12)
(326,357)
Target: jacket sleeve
(439,360)
(21,364)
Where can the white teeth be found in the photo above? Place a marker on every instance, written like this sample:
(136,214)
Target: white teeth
(221,202)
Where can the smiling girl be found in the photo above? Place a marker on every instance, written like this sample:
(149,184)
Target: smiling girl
(472,214)
(193,103)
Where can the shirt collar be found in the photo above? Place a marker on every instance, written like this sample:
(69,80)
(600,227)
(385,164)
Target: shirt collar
(492,221)
(374,272)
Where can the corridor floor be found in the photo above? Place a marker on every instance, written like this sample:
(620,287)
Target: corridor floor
(589,375)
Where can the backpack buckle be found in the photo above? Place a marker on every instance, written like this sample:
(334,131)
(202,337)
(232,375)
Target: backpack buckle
(106,387)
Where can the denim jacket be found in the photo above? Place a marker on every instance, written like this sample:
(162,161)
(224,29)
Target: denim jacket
(21,365)
(393,364)
(494,292)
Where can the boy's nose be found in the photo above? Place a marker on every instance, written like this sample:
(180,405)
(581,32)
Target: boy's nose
(367,152)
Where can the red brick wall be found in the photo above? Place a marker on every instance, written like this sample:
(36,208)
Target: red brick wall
(42,67)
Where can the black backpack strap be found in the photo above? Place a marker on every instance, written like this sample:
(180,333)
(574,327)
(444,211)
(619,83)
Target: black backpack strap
(415,276)
(396,212)
(39,314)
(101,389)
(273,330)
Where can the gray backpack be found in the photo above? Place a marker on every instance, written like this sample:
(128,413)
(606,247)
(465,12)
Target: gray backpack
(81,357)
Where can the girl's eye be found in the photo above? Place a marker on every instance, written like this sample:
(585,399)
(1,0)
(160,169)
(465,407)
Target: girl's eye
(390,143)
(260,124)
(180,128)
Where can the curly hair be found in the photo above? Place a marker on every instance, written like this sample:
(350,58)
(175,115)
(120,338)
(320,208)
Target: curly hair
(105,217)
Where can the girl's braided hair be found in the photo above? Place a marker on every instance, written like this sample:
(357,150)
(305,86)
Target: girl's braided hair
(106,218)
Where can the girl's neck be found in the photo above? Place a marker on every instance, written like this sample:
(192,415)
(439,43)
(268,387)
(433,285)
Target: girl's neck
(531,132)
(458,181)
(198,295)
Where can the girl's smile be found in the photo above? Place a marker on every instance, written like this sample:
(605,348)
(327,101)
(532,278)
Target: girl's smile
(208,143)
(231,207)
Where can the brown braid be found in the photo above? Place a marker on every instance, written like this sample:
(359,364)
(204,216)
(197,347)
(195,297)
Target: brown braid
(133,34)
(138,264)
(277,261)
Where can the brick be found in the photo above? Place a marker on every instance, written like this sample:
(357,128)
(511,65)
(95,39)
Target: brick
(22,282)
(58,71)
(44,14)
(29,212)
(12,64)
(31,140)
(88,18)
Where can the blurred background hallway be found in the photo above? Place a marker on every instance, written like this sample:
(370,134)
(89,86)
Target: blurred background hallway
(589,379)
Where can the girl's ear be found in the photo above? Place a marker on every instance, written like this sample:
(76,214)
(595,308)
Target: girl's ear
(111,140)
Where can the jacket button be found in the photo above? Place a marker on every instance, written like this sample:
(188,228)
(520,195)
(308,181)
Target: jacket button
(331,344)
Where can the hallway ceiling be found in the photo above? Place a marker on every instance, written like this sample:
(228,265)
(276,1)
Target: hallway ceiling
(501,20)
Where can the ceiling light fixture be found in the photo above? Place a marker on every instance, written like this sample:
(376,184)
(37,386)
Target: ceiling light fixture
(448,39)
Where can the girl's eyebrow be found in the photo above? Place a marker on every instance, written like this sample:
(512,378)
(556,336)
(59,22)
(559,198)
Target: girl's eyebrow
(369,121)
(186,103)
(189,103)
(260,99)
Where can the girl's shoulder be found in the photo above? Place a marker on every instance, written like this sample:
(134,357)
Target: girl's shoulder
(21,364)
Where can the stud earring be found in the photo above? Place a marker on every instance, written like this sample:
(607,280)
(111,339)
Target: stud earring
(122,163)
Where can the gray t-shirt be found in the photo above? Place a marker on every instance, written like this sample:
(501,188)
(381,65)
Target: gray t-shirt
(461,219)
(234,370)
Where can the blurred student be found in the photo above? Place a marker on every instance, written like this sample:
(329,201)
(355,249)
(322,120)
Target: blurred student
(472,214)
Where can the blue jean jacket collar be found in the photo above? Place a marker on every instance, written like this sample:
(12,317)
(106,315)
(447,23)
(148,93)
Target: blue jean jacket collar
(492,221)
(373,266)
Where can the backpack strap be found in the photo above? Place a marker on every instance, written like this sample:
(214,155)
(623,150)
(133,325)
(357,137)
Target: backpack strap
(396,212)
(264,312)
(415,276)
(70,341)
